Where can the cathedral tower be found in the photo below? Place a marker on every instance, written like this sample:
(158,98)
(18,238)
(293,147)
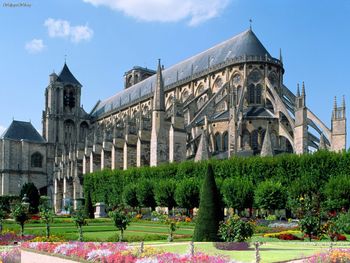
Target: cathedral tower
(300,133)
(338,127)
(62,108)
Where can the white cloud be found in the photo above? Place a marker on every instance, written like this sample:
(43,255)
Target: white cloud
(2,129)
(195,11)
(34,46)
(63,29)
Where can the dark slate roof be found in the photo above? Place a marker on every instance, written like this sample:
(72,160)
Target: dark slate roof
(245,43)
(257,112)
(22,130)
(67,77)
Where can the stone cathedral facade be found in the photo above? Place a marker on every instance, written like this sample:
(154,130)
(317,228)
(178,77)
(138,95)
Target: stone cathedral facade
(228,100)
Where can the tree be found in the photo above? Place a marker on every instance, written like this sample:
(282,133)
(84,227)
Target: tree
(210,213)
(46,213)
(270,195)
(145,195)
(311,216)
(2,217)
(121,221)
(79,217)
(337,192)
(33,195)
(164,193)
(130,196)
(238,193)
(89,207)
(187,193)
(20,215)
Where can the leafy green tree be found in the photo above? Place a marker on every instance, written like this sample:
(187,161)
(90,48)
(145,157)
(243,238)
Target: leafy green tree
(235,230)
(164,193)
(89,207)
(145,195)
(270,195)
(187,193)
(310,222)
(121,221)
(79,217)
(238,193)
(46,213)
(337,193)
(20,215)
(210,213)
(33,195)
(130,196)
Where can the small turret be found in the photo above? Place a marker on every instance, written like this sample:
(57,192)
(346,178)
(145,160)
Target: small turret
(266,149)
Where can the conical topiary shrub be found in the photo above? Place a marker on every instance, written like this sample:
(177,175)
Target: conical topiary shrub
(210,213)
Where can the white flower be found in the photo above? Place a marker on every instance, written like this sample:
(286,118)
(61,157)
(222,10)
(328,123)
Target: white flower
(64,248)
(98,254)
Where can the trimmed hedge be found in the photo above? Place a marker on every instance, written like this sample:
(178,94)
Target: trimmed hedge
(288,169)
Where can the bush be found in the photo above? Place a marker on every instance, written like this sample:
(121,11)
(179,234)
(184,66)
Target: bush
(210,213)
(343,222)
(235,230)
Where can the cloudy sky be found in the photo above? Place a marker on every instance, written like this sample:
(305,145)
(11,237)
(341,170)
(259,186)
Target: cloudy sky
(102,39)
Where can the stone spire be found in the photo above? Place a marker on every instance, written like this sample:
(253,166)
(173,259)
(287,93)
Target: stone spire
(266,149)
(322,145)
(298,90)
(202,151)
(281,59)
(303,90)
(158,98)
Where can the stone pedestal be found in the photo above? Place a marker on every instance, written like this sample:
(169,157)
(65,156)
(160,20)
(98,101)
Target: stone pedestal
(100,210)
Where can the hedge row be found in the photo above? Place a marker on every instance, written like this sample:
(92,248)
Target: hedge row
(308,170)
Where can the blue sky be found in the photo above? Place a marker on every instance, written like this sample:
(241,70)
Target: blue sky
(104,38)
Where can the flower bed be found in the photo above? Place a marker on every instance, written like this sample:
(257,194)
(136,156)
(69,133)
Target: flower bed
(333,255)
(10,238)
(285,235)
(115,252)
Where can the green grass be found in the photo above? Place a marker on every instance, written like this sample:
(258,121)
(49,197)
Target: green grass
(269,252)
(102,230)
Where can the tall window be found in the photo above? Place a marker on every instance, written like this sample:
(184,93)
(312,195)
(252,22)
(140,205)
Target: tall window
(83,131)
(255,139)
(251,90)
(37,160)
(217,142)
(225,142)
(258,94)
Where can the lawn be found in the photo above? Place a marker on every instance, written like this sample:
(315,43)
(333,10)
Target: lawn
(155,234)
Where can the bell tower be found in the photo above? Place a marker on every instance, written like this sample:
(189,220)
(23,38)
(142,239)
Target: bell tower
(62,108)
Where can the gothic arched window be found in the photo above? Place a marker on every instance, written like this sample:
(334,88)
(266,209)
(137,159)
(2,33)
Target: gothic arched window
(225,141)
(258,94)
(37,160)
(255,139)
(83,131)
(69,131)
(217,142)
(251,92)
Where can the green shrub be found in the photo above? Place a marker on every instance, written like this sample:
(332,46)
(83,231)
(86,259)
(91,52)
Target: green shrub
(187,193)
(235,230)
(164,193)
